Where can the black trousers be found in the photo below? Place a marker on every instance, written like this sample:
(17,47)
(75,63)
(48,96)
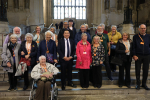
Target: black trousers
(26,78)
(107,66)
(67,65)
(12,77)
(112,66)
(127,66)
(84,77)
(145,61)
(97,75)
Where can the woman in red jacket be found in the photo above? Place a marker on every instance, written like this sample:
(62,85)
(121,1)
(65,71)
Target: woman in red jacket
(84,59)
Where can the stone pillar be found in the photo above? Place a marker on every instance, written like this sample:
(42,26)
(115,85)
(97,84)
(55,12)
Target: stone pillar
(129,29)
(4,29)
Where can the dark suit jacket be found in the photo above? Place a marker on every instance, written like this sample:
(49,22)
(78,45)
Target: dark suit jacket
(61,49)
(51,47)
(120,50)
(61,36)
(33,53)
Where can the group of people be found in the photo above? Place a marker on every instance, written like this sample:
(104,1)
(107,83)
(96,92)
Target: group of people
(92,52)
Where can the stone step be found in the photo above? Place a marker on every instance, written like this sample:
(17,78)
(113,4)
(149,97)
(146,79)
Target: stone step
(105,89)
(105,81)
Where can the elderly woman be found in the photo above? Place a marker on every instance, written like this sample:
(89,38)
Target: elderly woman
(98,57)
(38,37)
(84,59)
(113,36)
(11,59)
(28,51)
(43,87)
(46,47)
(54,37)
(123,50)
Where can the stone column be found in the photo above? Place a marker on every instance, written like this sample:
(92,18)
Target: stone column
(129,29)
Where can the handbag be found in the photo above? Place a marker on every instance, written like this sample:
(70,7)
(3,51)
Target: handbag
(21,69)
(113,47)
(4,64)
(46,79)
(24,60)
(49,56)
(116,60)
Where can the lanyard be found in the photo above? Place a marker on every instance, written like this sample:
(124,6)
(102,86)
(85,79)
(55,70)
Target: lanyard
(47,47)
(28,45)
(13,51)
(85,46)
(44,67)
(112,37)
(141,38)
(37,41)
(125,45)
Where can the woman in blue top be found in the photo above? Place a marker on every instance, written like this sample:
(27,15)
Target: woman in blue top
(47,46)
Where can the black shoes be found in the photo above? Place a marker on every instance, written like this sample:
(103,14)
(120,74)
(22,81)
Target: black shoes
(128,86)
(25,87)
(63,87)
(10,88)
(15,89)
(72,85)
(145,87)
(138,87)
(120,86)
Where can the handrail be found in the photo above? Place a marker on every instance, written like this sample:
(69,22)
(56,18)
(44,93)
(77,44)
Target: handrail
(50,26)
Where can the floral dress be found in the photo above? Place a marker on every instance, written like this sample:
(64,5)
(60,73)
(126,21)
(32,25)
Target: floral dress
(98,54)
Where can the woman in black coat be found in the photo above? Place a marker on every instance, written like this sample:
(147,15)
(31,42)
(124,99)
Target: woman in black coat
(123,50)
(28,50)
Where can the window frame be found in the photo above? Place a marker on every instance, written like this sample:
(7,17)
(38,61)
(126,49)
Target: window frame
(75,6)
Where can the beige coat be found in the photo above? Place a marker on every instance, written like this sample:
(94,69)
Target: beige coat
(37,70)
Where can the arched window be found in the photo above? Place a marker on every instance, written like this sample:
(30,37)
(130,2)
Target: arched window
(69,9)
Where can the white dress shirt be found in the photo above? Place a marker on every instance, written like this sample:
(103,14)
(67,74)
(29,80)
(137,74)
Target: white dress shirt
(66,47)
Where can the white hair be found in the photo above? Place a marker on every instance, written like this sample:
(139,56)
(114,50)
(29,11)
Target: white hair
(28,34)
(83,34)
(102,24)
(86,24)
(141,24)
(13,35)
(113,26)
(42,57)
(83,25)
(51,33)
(99,26)
(14,30)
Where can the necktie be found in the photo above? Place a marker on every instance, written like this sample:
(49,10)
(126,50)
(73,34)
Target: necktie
(67,48)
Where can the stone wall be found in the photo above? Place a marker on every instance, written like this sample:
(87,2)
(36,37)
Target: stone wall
(24,15)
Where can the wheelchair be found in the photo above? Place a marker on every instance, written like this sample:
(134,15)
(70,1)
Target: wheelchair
(53,93)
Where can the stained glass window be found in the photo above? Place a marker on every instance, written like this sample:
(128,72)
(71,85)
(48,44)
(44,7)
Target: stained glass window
(69,9)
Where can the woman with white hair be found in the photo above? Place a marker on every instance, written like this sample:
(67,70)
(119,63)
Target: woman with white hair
(28,52)
(41,73)
(47,47)
(11,60)
(84,60)
(54,37)
(38,37)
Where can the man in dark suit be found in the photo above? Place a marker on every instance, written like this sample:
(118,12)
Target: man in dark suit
(141,52)
(61,32)
(66,50)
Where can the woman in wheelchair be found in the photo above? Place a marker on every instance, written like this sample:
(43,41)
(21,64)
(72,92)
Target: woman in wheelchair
(43,72)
